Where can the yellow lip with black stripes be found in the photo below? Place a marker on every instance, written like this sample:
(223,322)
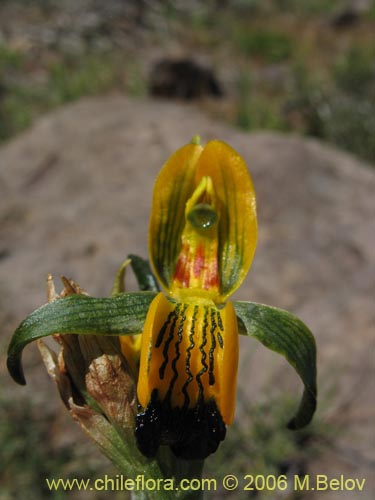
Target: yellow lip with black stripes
(202,238)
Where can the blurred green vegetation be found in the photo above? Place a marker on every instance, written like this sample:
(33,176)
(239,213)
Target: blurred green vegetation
(261,444)
(267,45)
(292,68)
(29,455)
(256,111)
(66,79)
(25,453)
(317,7)
(342,110)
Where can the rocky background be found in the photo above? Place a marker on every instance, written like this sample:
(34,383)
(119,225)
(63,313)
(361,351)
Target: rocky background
(75,194)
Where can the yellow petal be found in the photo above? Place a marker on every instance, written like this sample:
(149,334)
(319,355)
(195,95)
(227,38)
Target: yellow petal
(203,227)
(130,348)
(237,212)
(173,187)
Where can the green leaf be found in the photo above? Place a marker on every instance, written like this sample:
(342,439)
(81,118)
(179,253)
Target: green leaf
(79,314)
(282,332)
(119,281)
(142,270)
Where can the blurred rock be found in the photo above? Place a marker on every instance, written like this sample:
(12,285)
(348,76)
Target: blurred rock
(347,18)
(183,79)
(75,195)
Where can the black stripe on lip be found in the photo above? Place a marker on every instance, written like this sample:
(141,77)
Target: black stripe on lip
(168,341)
(177,350)
(188,355)
(212,348)
(204,356)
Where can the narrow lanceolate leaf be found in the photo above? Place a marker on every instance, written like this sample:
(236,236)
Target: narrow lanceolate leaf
(282,332)
(142,270)
(79,314)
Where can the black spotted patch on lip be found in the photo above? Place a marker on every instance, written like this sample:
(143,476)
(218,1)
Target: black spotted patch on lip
(191,433)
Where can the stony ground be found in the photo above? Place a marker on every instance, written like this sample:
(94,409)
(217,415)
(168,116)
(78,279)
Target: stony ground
(75,195)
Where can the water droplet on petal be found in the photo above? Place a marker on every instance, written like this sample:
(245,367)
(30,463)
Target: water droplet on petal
(202,216)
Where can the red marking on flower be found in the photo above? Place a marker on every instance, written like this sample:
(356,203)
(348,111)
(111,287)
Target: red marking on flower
(182,274)
(212,277)
(196,268)
(199,261)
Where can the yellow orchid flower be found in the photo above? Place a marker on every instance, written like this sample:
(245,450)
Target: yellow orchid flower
(202,238)
(179,345)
